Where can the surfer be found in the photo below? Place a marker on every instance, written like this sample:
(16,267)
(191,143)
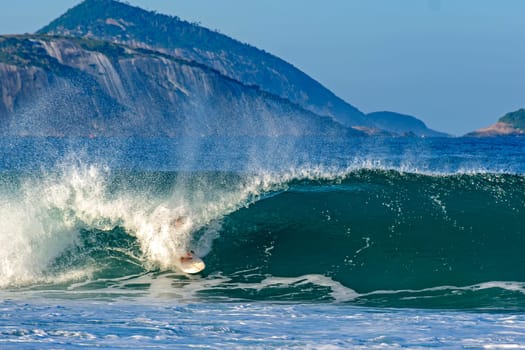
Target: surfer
(187,257)
(177,223)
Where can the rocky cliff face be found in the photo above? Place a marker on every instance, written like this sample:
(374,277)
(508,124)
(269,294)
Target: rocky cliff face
(118,22)
(76,87)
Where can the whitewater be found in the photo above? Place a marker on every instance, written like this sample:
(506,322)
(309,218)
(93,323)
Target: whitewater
(309,243)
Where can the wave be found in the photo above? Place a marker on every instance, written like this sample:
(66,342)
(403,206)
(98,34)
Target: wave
(362,235)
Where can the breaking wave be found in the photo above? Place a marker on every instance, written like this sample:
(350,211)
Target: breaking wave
(364,234)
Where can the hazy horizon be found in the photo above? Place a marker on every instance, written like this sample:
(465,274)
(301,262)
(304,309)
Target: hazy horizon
(455,65)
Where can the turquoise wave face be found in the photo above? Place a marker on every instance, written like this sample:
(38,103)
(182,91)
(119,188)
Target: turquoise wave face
(386,231)
(373,237)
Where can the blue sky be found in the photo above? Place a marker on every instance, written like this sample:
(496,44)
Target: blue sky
(456,64)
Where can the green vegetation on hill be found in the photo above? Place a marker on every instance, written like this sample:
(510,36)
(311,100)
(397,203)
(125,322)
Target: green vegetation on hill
(103,18)
(516,119)
(24,50)
(27,50)
(110,50)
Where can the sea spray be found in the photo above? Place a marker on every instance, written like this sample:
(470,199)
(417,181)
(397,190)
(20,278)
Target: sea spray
(50,213)
(47,213)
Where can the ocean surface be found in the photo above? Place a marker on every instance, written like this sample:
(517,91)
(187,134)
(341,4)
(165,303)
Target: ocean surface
(309,243)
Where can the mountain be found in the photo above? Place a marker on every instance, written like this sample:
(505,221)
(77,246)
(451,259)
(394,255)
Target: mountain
(121,23)
(511,124)
(402,124)
(57,86)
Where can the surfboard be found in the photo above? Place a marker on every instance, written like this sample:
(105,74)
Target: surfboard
(192,265)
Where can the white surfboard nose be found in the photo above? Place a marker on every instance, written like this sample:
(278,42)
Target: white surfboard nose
(191,264)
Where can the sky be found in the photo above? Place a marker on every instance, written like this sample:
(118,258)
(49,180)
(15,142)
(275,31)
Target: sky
(458,65)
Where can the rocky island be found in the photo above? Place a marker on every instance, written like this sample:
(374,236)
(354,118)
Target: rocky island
(511,124)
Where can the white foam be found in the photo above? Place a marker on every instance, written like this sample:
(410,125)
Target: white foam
(505,285)
(339,292)
(43,218)
(504,346)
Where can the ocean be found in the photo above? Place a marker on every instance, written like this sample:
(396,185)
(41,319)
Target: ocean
(308,242)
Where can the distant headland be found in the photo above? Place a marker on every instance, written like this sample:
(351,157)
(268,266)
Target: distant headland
(511,124)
